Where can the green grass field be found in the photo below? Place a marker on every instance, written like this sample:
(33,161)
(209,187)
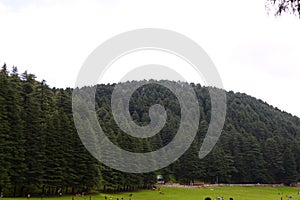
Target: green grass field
(237,193)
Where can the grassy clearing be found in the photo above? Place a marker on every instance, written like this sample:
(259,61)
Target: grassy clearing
(238,193)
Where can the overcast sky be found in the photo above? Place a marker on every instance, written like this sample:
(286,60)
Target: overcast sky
(253,52)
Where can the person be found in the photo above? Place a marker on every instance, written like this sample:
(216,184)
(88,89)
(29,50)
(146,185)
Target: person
(28,196)
(73,197)
(90,197)
(1,195)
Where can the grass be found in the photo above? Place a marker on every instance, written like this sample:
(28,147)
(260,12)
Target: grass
(237,193)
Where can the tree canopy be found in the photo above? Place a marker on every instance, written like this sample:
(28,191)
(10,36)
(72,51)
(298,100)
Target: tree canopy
(284,6)
(41,152)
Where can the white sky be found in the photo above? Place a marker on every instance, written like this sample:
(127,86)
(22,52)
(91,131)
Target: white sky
(254,53)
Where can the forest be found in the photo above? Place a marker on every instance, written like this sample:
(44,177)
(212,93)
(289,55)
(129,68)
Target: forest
(41,152)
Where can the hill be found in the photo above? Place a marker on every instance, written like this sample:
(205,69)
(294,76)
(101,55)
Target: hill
(40,150)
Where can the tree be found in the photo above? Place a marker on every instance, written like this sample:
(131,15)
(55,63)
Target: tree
(41,150)
(284,6)
(219,166)
(190,169)
(290,168)
(5,148)
(274,160)
(17,140)
(34,137)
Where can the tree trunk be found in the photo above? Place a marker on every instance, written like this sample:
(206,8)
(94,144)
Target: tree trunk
(15,190)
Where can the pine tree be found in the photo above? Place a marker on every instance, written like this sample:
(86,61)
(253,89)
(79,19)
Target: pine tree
(5,140)
(290,168)
(17,140)
(274,160)
(34,139)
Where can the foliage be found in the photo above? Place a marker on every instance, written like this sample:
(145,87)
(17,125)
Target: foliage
(284,6)
(40,151)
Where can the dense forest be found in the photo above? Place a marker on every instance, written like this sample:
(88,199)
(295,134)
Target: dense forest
(41,152)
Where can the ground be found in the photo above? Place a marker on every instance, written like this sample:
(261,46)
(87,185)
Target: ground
(237,193)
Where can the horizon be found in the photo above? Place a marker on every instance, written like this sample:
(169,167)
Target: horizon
(250,48)
(124,81)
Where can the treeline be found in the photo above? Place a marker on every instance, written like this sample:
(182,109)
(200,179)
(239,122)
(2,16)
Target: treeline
(41,152)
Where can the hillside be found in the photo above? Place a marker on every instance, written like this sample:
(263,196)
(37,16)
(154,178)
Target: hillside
(40,149)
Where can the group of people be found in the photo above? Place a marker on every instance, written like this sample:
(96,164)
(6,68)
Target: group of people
(158,189)
(110,198)
(218,198)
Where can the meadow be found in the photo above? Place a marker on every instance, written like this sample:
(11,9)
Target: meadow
(237,193)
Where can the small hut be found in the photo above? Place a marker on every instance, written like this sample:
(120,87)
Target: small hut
(160,179)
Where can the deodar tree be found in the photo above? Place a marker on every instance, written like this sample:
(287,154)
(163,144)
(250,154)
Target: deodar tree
(284,6)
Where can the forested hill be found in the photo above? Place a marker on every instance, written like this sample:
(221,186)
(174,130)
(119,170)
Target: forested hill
(40,150)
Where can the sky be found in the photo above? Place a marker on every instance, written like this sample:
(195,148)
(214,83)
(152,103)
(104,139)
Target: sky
(255,53)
